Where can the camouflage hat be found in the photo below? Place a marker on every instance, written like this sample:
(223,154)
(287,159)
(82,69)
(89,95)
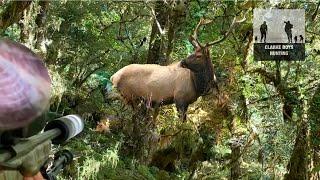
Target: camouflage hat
(24,85)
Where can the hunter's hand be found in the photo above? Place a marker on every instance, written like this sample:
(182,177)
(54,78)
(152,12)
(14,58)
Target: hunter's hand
(36,177)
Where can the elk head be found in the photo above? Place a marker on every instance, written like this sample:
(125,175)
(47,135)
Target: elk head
(200,62)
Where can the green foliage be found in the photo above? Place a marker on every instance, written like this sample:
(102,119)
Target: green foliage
(13,32)
(84,43)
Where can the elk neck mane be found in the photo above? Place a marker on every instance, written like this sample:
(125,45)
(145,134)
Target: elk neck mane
(203,80)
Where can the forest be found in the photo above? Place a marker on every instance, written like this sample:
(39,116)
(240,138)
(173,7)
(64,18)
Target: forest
(252,120)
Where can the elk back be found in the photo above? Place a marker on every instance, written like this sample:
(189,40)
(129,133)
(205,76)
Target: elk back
(155,83)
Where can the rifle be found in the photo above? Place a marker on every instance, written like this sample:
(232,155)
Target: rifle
(30,155)
(25,95)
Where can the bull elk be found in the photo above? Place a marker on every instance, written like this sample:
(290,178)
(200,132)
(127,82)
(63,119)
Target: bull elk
(180,83)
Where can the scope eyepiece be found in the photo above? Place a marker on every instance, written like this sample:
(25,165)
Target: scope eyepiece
(69,125)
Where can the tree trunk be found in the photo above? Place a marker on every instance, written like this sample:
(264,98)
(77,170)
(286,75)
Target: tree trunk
(23,32)
(168,16)
(313,116)
(176,21)
(298,163)
(236,141)
(156,45)
(12,13)
(235,146)
(40,20)
(235,171)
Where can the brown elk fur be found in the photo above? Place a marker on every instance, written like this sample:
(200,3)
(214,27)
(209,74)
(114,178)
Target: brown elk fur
(157,84)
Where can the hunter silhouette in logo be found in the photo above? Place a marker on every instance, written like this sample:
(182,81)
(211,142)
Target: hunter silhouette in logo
(288,29)
(301,39)
(263,31)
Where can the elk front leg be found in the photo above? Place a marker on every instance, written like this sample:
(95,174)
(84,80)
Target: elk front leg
(182,110)
(155,113)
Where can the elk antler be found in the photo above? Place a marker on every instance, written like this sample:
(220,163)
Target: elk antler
(194,38)
(233,24)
